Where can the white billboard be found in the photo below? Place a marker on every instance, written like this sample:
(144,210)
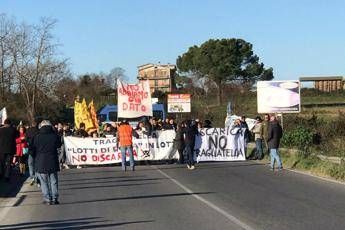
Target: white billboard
(179,103)
(279,96)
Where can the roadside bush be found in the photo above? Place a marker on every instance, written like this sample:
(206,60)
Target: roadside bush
(300,137)
(337,171)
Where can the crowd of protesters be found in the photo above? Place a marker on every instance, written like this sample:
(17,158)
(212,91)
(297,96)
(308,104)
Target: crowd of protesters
(41,147)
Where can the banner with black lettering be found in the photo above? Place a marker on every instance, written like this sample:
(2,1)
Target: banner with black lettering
(97,151)
(220,144)
(157,147)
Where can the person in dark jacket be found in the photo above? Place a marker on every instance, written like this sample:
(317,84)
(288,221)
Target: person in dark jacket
(8,135)
(275,133)
(109,131)
(165,124)
(30,134)
(189,132)
(66,133)
(170,125)
(148,126)
(178,144)
(207,124)
(244,125)
(81,132)
(265,125)
(45,148)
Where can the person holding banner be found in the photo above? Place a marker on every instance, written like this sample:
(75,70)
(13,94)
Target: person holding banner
(65,133)
(244,125)
(178,144)
(190,132)
(109,131)
(125,133)
(81,132)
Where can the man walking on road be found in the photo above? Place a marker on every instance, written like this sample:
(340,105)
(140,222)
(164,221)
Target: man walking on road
(8,135)
(125,133)
(275,133)
(45,149)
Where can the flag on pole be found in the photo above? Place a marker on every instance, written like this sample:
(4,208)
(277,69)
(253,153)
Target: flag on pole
(86,117)
(93,114)
(77,114)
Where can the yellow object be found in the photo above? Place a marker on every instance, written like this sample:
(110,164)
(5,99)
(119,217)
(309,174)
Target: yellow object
(93,114)
(85,114)
(77,114)
(86,117)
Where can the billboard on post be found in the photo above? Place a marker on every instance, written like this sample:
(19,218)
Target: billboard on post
(179,103)
(278,96)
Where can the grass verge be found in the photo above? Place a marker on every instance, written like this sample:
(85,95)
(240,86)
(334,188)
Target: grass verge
(313,164)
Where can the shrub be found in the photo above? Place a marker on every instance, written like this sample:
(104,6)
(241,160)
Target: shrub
(337,171)
(301,138)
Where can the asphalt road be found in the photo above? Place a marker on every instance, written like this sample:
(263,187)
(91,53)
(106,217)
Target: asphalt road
(235,195)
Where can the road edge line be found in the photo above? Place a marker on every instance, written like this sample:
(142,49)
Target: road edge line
(208,203)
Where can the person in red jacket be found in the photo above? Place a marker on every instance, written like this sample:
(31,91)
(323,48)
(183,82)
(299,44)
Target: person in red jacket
(21,149)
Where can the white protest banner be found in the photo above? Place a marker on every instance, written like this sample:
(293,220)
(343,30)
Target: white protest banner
(91,151)
(97,151)
(3,115)
(220,144)
(214,144)
(134,100)
(230,121)
(157,147)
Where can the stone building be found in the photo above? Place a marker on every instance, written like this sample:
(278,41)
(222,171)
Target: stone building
(326,84)
(160,76)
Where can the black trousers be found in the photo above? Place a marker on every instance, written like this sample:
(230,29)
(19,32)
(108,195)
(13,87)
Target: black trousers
(5,165)
(181,156)
(190,155)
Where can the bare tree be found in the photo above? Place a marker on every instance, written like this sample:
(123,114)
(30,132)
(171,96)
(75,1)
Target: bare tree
(115,74)
(37,67)
(7,28)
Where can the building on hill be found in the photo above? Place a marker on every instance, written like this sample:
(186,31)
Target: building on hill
(160,76)
(326,84)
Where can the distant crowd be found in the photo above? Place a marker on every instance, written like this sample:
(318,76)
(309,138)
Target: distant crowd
(41,148)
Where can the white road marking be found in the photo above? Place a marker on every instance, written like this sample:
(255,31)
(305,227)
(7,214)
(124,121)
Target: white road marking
(208,203)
